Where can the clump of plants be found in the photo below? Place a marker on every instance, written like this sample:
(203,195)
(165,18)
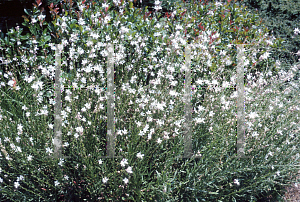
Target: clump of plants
(149,61)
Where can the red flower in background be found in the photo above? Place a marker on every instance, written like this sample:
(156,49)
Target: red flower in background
(15,83)
(167,14)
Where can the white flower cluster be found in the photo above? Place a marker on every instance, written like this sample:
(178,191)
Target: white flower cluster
(17,184)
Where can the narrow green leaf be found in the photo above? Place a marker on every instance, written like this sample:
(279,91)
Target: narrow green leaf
(45,31)
(28,12)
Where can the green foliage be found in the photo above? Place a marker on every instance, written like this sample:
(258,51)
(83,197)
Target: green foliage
(160,175)
(53,1)
(281,17)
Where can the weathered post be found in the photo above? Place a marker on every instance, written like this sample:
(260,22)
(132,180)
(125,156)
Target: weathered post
(240,103)
(188,145)
(110,103)
(57,107)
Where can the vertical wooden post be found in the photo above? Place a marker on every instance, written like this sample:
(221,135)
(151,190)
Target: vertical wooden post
(3,149)
(110,103)
(240,103)
(188,145)
(57,107)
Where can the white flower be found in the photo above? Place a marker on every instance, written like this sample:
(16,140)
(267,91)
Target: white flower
(33,20)
(105,5)
(18,149)
(37,85)
(124,29)
(116,2)
(106,20)
(200,120)
(100,161)
(88,105)
(129,169)
(255,134)
(157,2)
(66,144)
(199,81)
(64,25)
(157,5)
(56,183)
(61,162)
(20,178)
(178,27)
(119,132)
(201,108)
(1,180)
(48,150)
(104,180)
(125,180)
(81,7)
(218,4)
(160,122)
(41,17)
(236,182)
(252,115)
(264,56)
(173,83)
(270,154)
(296,31)
(95,35)
(210,12)
(166,136)
(16,184)
(159,140)
(20,127)
(214,82)
(125,131)
(173,92)
(66,177)
(81,21)
(139,155)
(50,126)
(139,123)
(79,129)
(124,162)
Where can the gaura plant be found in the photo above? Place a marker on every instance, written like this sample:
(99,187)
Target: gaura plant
(151,138)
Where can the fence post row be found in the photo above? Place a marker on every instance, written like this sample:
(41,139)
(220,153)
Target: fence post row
(240,105)
(110,109)
(187,99)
